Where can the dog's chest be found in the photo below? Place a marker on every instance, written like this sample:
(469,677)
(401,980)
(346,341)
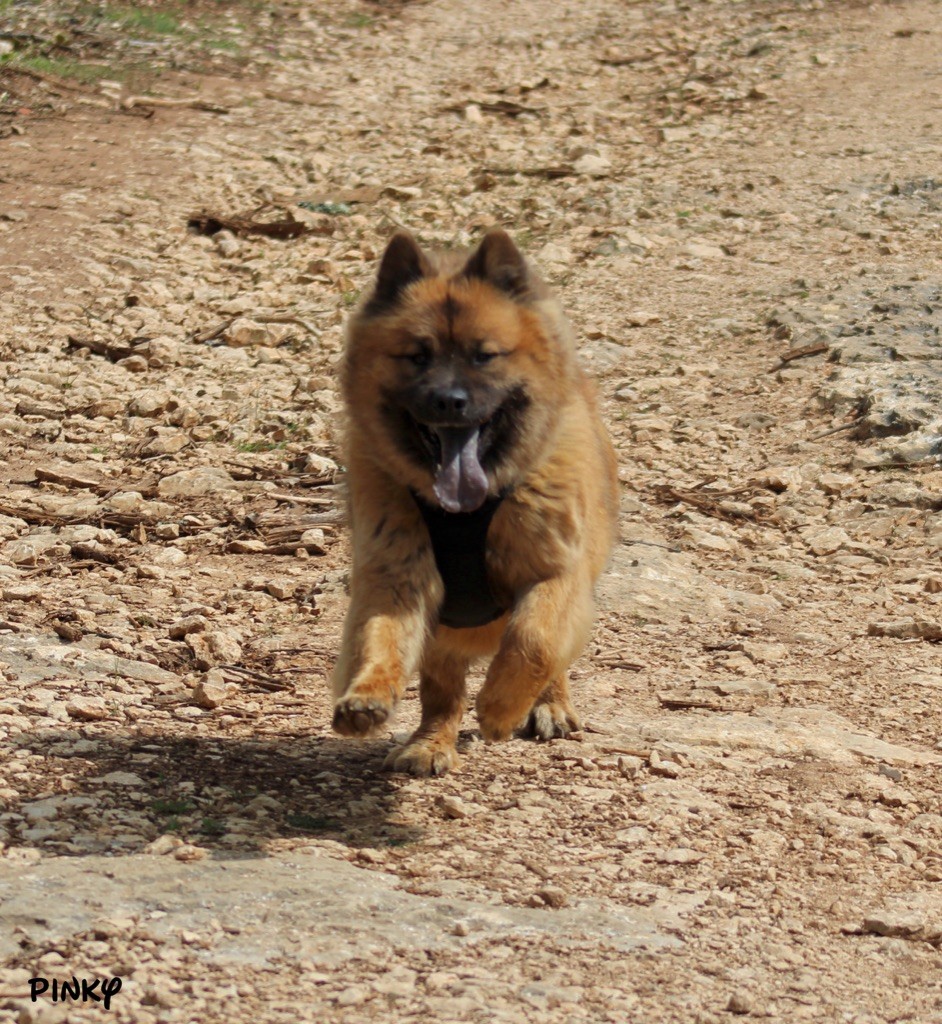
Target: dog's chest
(459,544)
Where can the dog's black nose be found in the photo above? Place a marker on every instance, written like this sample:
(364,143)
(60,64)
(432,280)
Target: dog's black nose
(450,401)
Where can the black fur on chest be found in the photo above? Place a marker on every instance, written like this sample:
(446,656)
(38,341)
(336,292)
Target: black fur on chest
(459,542)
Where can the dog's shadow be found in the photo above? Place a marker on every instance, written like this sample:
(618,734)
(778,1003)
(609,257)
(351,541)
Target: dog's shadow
(233,796)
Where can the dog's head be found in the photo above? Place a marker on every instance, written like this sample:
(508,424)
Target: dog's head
(455,369)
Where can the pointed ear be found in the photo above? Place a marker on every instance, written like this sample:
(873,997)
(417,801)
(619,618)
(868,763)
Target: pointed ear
(403,262)
(499,262)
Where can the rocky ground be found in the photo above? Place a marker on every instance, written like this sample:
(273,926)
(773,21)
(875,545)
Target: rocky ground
(740,205)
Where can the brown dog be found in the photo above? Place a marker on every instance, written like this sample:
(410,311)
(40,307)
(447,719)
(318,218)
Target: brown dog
(483,500)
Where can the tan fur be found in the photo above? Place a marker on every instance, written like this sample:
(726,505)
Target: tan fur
(547,544)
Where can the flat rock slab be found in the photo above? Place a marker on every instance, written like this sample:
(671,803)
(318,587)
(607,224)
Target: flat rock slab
(34,658)
(917,917)
(297,906)
(648,580)
(781,732)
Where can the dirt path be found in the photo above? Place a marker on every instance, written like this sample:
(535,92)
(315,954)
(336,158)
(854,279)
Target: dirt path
(750,823)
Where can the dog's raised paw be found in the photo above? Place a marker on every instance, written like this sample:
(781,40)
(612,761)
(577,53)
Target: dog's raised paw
(359,716)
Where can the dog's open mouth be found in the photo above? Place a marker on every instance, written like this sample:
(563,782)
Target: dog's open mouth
(460,480)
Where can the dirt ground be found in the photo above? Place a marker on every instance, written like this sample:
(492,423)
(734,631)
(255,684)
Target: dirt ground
(740,204)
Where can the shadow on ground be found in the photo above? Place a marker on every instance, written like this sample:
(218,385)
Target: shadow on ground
(232,796)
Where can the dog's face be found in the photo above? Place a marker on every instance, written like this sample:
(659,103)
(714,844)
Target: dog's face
(453,369)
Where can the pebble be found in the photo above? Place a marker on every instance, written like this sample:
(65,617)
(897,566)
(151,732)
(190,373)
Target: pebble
(828,541)
(455,807)
(353,996)
(189,624)
(87,709)
(740,1003)
(906,629)
(210,649)
(553,896)
(211,691)
(193,483)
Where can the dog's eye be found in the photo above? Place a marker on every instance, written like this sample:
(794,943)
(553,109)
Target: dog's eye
(420,359)
(481,358)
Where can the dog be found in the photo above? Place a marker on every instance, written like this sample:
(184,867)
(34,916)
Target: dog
(483,500)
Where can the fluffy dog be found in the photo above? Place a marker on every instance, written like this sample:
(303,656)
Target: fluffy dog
(483,500)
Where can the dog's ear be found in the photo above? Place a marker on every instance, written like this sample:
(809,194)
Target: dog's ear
(499,262)
(403,262)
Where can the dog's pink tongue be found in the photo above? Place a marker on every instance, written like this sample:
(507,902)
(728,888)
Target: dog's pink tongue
(460,483)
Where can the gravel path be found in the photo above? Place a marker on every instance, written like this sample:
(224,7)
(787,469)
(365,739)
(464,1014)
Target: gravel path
(741,209)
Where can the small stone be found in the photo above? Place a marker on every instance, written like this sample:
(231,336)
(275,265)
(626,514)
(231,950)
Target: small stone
(192,483)
(353,996)
(764,652)
(188,853)
(319,465)
(399,983)
(133,364)
(709,541)
(29,550)
(662,766)
(642,318)
(780,478)
(675,134)
(906,629)
(455,807)
(22,592)
(829,541)
(553,896)
(704,251)
(460,928)
(836,483)
(211,691)
(917,917)
(106,408)
(592,165)
(227,243)
(312,540)
(87,709)
(163,844)
(214,648)
(121,779)
(679,855)
(190,624)
(245,333)
(741,1003)
(150,404)
(282,590)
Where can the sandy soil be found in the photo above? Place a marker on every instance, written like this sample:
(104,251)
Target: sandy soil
(740,206)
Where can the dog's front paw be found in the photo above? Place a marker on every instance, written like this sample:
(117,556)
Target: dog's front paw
(360,716)
(429,756)
(551,720)
(496,719)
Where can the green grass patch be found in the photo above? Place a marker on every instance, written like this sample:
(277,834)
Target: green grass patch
(88,74)
(170,806)
(310,823)
(260,446)
(144,20)
(224,45)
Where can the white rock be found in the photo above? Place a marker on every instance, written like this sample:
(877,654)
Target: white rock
(704,251)
(87,709)
(829,541)
(592,165)
(191,483)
